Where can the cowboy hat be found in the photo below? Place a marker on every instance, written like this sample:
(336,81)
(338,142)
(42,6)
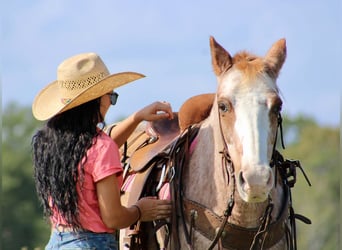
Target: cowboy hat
(80,79)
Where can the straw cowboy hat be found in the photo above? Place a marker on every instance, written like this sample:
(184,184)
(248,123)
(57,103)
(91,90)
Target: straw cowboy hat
(80,79)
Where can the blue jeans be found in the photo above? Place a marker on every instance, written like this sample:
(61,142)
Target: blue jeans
(81,240)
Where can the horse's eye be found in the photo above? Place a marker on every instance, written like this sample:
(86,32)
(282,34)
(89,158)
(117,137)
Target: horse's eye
(276,105)
(276,109)
(223,107)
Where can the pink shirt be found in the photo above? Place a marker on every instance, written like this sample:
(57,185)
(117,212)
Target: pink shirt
(103,160)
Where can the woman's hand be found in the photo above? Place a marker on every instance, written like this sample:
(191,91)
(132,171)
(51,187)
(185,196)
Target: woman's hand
(152,208)
(154,111)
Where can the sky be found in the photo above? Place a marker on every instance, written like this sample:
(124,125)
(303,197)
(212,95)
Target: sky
(168,41)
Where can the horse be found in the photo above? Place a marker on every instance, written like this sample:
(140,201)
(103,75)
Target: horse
(218,163)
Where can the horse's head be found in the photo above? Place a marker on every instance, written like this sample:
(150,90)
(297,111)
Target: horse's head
(248,106)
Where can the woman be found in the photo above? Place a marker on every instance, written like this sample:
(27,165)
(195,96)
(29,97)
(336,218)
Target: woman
(77,166)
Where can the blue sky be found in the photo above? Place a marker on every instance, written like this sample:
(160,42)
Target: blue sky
(168,41)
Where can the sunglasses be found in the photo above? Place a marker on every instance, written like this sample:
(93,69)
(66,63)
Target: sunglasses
(113,97)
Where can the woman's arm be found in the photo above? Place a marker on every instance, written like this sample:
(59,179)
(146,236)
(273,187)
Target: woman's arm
(113,214)
(152,112)
(116,216)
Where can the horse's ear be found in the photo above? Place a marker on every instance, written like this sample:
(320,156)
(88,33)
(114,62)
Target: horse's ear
(276,56)
(220,58)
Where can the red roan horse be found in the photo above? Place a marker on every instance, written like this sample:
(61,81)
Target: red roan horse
(229,185)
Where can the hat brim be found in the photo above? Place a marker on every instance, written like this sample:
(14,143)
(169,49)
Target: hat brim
(48,102)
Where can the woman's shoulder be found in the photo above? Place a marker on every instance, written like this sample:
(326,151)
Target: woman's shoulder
(103,140)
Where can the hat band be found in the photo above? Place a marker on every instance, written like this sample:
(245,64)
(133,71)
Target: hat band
(82,83)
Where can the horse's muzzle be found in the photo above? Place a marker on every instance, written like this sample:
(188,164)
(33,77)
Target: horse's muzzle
(255,183)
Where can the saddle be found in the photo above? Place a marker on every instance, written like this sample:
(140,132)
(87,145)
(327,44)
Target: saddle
(146,144)
(158,135)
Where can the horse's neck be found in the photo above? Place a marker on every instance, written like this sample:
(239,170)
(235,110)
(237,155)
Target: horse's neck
(205,165)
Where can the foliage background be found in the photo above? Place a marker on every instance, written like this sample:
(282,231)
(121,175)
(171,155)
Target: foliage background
(317,147)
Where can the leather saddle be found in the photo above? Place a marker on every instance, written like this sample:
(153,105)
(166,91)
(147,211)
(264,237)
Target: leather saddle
(151,140)
(145,144)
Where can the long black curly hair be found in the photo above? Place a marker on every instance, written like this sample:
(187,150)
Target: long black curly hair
(58,149)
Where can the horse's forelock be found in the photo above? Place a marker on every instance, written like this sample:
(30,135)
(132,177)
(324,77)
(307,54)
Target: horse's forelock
(250,65)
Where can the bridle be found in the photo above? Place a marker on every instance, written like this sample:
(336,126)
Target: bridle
(260,236)
(229,166)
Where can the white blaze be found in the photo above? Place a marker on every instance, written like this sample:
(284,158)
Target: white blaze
(252,125)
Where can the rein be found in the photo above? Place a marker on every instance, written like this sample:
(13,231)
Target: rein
(178,159)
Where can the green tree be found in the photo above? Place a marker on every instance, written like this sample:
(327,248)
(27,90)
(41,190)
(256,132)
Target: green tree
(22,220)
(317,148)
